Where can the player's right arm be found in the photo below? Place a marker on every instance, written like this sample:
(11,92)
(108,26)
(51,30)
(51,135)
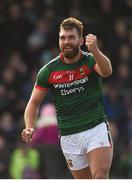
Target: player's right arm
(31,113)
(39,92)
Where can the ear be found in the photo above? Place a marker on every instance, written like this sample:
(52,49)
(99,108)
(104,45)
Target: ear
(81,41)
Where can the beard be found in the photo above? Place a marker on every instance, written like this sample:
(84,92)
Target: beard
(70,53)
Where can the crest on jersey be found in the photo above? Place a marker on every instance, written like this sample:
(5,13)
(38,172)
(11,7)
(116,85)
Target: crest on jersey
(69,161)
(82,72)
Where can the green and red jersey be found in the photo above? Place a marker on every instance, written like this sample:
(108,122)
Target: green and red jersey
(77,92)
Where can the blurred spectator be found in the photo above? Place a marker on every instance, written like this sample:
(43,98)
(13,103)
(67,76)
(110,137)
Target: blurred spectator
(120,30)
(30,11)
(112,103)
(47,129)
(125,164)
(116,38)
(38,37)
(2,20)
(106,7)
(125,53)
(123,79)
(48,54)
(130,37)
(11,84)
(128,7)
(117,151)
(16,29)
(16,62)
(37,40)
(4,158)
(3,98)
(24,162)
(129,124)
(9,129)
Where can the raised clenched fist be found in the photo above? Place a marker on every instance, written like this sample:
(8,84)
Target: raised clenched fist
(91,42)
(27,134)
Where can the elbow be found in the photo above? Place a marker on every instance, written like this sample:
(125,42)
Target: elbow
(108,73)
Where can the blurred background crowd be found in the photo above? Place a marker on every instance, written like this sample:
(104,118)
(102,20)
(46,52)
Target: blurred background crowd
(29,39)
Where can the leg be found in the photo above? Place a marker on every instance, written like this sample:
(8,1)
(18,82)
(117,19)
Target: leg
(78,166)
(82,173)
(100,160)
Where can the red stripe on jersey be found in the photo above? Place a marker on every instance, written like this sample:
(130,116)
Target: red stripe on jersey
(67,76)
(41,88)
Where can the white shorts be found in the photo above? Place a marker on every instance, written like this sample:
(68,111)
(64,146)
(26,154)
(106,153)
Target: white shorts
(76,146)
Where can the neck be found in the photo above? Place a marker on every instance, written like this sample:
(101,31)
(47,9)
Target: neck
(73,60)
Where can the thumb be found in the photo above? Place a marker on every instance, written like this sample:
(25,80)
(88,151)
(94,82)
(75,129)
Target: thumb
(88,46)
(30,131)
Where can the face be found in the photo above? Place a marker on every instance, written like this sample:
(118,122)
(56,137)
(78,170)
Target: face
(70,42)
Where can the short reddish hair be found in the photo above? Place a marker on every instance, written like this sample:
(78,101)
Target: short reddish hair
(71,23)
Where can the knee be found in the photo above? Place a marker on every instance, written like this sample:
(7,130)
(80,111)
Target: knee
(100,174)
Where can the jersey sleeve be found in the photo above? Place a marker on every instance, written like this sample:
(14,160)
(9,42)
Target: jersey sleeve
(42,79)
(91,62)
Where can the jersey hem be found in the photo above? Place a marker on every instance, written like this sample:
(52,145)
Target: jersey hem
(75,130)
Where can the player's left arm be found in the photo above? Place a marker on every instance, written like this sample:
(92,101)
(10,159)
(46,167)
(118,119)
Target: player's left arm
(103,65)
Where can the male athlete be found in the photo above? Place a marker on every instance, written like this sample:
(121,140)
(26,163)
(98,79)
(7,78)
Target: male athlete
(74,78)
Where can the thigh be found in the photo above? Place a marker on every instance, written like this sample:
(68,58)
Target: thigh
(76,156)
(82,173)
(100,160)
(78,165)
(76,161)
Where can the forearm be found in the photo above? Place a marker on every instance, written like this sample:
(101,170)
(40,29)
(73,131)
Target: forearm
(30,114)
(103,63)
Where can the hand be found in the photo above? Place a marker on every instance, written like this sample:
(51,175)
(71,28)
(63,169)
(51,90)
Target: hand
(91,42)
(27,134)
